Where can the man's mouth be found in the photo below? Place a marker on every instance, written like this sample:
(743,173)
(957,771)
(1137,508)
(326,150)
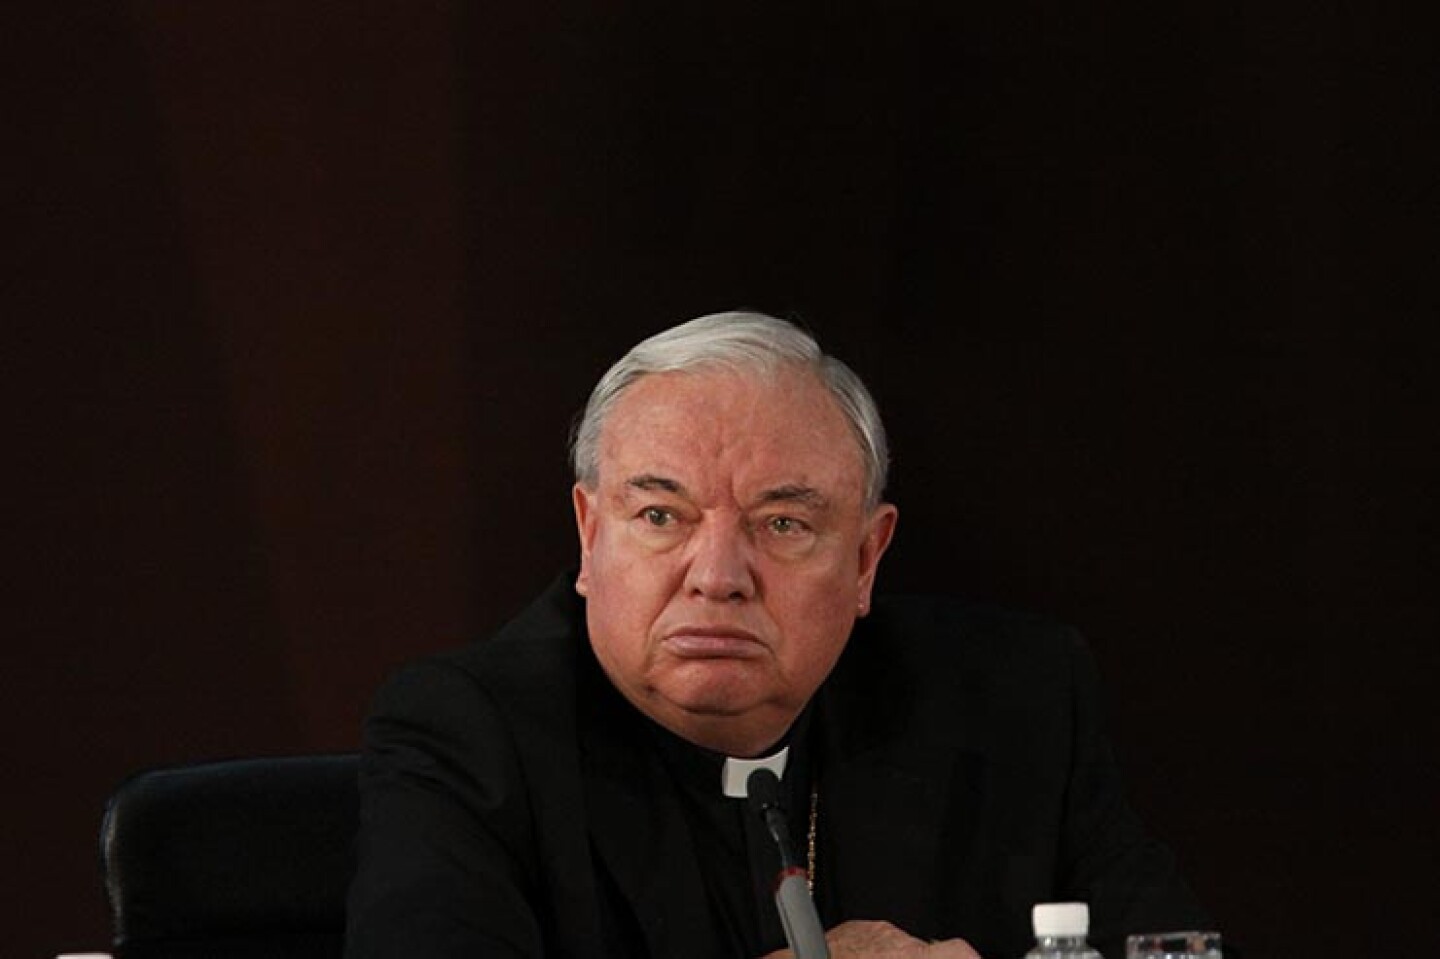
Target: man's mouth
(711,642)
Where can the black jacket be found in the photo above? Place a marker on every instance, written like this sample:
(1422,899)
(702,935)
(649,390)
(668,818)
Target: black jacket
(512,807)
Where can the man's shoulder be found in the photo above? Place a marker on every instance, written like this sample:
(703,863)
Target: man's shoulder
(912,644)
(531,658)
(951,626)
(926,670)
(542,638)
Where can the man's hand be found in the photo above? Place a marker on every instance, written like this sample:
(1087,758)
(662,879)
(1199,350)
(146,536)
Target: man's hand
(862,939)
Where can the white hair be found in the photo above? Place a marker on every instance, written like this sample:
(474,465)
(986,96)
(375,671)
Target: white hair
(738,341)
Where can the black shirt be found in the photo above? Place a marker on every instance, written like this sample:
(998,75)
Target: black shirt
(737,857)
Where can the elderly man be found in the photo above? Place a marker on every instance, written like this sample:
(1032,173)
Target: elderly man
(572,787)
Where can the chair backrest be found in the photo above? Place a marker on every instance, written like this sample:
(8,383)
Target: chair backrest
(239,859)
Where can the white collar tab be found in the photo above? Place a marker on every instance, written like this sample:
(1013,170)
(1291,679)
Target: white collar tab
(735,777)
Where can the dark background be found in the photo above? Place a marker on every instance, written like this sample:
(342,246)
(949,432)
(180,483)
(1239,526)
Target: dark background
(301,298)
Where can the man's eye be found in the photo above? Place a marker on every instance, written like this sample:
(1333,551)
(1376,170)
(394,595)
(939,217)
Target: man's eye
(656,516)
(785,525)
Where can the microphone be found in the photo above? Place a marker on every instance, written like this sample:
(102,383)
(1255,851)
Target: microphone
(792,891)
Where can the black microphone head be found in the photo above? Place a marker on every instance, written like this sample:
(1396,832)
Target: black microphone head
(762,790)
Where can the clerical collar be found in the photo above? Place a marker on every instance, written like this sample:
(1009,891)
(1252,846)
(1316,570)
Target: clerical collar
(735,774)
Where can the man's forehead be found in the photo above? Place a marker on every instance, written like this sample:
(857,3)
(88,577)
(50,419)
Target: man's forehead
(757,434)
(742,403)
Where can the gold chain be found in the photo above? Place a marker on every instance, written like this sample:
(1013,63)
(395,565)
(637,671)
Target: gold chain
(810,840)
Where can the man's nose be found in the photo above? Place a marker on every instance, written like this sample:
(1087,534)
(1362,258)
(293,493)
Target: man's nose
(721,566)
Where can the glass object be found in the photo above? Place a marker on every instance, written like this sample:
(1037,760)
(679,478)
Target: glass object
(1174,945)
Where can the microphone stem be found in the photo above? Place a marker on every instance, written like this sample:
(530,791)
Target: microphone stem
(776,825)
(792,892)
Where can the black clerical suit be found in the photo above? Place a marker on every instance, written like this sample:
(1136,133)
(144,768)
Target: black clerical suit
(513,804)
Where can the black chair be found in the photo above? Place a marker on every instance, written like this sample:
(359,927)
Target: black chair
(232,860)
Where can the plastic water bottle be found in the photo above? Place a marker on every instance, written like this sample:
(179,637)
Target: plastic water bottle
(1060,931)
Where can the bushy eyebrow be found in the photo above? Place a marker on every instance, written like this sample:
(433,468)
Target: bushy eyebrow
(649,482)
(805,495)
(789,493)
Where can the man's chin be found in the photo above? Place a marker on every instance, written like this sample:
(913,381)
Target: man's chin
(714,703)
(724,718)
(714,691)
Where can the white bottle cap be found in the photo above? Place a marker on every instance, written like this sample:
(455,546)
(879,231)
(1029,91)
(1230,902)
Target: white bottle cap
(1052,919)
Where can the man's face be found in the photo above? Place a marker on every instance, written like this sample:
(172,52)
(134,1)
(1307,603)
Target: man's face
(726,550)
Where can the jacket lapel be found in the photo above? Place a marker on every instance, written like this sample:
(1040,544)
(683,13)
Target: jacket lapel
(906,807)
(639,832)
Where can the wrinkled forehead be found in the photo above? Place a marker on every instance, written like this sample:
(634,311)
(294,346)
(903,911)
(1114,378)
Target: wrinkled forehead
(735,427)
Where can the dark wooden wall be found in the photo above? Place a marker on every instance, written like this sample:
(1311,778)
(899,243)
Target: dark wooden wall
(302,297)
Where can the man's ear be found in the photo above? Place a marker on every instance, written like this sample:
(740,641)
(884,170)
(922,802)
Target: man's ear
(586,517)
(879,529)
